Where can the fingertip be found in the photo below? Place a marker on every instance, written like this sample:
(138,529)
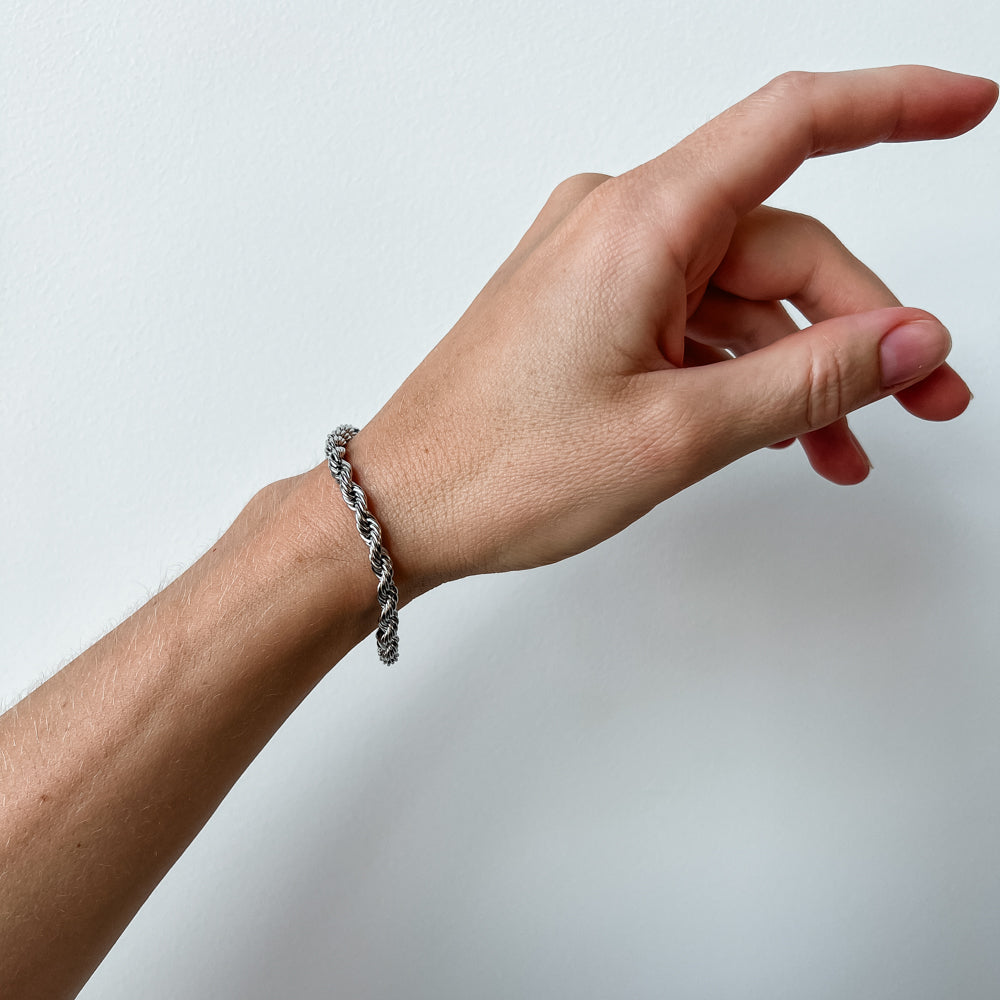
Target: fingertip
(942,395)
(989,91)
(853,469)
(942,104)
(836,454)
(850,473)
(960,405)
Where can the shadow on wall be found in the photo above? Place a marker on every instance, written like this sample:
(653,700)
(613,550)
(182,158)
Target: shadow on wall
(746,723)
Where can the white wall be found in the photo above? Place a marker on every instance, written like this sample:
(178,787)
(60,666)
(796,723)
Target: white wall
(747,749)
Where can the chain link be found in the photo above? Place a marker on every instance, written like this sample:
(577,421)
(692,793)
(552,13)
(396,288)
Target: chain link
(387,633)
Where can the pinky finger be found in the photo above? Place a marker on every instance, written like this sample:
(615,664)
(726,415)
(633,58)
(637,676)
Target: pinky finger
(836,454)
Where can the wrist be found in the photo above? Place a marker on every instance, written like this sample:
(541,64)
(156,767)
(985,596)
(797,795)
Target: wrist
(395,502)
(298,537)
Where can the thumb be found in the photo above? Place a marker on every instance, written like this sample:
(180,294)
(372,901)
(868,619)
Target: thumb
(814,377)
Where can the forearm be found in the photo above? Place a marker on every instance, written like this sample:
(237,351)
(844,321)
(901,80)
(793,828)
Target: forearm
(111,767)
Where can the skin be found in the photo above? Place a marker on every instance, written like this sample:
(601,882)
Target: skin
(589,381)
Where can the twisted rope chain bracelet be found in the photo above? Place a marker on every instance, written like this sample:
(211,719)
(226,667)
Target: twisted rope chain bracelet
(387,633)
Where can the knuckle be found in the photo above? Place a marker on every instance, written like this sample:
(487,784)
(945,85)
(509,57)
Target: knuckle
(792,83)
(792,95)
(610,222)
(574,189)
(810,228)
(824,387)
(815,242)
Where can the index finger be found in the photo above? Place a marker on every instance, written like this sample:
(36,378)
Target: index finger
(740,157)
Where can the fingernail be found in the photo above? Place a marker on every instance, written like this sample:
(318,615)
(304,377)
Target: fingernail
(861,451)
(911,351)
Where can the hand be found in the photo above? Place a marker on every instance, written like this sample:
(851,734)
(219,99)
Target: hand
(559,408)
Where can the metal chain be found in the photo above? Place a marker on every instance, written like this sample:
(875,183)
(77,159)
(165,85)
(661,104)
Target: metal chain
(387,633)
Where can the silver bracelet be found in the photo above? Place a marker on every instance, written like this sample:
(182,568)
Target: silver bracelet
(387,633)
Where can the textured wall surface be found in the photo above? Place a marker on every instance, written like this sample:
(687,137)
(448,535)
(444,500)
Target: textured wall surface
(746,749)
